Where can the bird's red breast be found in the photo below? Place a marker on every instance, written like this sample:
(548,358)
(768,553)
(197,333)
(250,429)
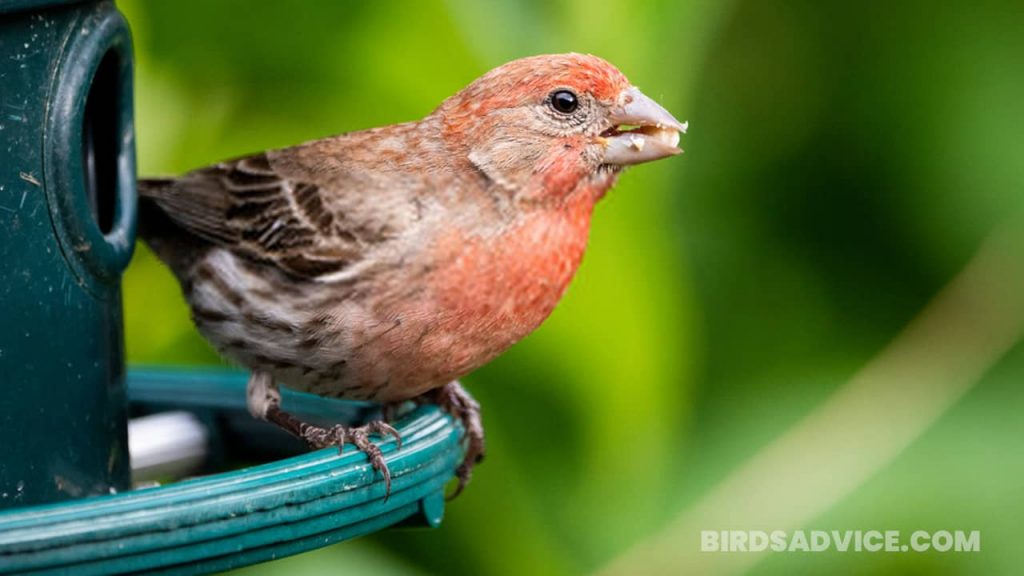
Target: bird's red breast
(499,289)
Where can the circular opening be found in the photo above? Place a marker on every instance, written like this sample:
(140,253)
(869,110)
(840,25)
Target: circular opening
(90,149)
(99,141)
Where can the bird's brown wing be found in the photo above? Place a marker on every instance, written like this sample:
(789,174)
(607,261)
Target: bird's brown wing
(248,206)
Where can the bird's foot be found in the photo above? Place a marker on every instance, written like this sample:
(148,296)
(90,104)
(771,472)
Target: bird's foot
(338,435)
(455,400)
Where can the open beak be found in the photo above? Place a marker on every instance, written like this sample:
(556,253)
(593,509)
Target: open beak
(641,131)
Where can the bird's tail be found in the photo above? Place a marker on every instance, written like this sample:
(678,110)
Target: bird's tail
(172,244)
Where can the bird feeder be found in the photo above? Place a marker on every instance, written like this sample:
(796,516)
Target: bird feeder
(67,462)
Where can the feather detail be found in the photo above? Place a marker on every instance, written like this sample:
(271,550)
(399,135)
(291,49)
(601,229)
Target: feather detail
(247,206)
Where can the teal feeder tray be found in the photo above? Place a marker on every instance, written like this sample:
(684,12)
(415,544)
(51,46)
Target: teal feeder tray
(237,518)
(67,230)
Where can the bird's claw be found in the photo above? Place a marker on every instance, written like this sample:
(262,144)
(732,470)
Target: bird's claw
(455,400)
(358,436)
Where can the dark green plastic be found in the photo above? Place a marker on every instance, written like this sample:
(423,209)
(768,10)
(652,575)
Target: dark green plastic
(228,520)
(62,396)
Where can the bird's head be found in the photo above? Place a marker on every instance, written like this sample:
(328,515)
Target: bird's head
(541,126)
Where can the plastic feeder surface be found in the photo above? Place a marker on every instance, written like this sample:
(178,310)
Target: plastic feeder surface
(67,230)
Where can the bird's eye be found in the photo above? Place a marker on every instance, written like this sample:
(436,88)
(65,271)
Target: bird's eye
(564,101)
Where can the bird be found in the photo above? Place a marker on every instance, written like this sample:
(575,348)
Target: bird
(386,264)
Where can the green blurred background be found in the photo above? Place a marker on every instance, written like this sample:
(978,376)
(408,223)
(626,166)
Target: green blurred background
(845,162)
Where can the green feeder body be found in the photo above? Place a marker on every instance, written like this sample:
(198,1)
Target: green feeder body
(67,208)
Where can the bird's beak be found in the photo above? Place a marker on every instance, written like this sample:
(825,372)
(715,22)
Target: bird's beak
(641,131)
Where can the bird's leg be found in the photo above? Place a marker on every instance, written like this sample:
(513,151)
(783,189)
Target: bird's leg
(455,400)
(264,401)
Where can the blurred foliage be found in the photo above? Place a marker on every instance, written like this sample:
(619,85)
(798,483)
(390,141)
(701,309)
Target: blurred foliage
(844,163)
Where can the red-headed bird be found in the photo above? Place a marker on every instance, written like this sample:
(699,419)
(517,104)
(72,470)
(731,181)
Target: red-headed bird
(387,263)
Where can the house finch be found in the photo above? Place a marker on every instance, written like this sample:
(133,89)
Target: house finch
(384,264)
